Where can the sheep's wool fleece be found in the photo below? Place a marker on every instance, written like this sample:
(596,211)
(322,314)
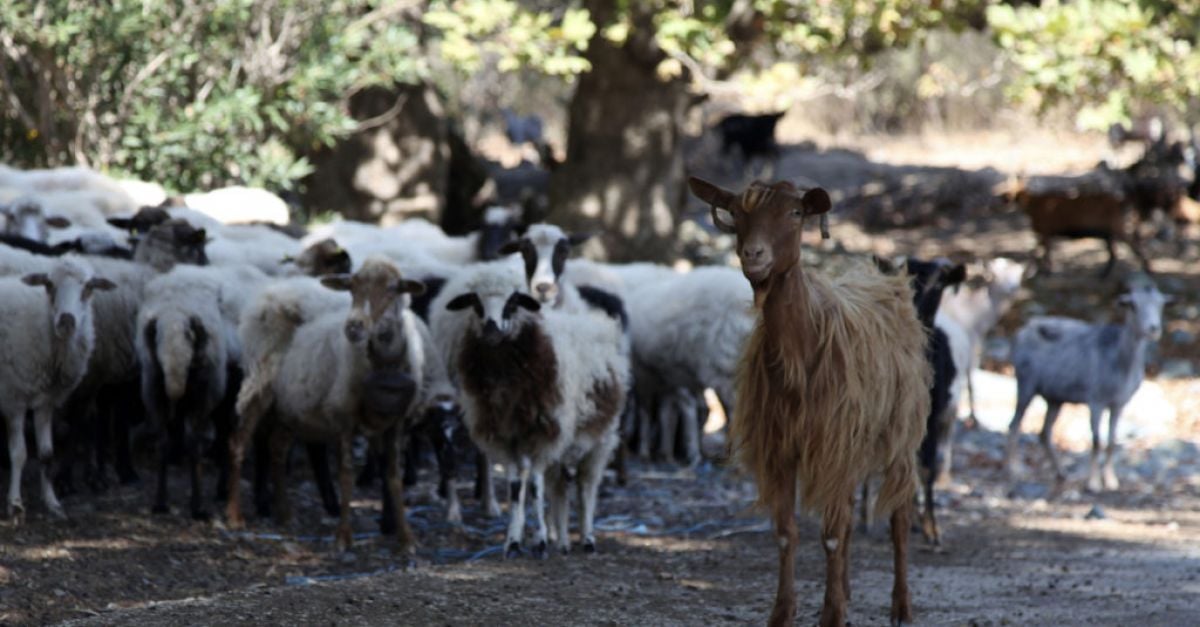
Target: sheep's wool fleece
(841,392)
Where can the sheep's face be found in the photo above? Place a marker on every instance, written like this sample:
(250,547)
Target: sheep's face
(1145,305)
(376,290)
(25,218)
(145,219)
(545,249)
(499,225)
(70,287)
(322,258)
(768,221)
(171,242)
(498,315)
(1004,276)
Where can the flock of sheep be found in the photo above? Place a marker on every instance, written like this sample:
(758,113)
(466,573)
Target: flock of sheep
(242,339)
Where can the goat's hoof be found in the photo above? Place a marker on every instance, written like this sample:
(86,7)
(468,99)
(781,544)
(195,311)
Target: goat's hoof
(387,527)
(160,508)
(1110,480)
(539,550)
(342,543)
(902,614)
(493,510)
(16,512)
(201,515)
(513,551)
(589,546)
(57,512)
(565,548)
(234,522)
(781,615)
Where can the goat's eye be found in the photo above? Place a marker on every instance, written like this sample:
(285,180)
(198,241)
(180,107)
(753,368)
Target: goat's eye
(797,213)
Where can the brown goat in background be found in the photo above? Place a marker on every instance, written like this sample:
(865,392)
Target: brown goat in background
(832,387)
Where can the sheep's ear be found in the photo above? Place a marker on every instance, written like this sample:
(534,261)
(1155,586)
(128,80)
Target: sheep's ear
(57,222)
(199,236)
(100,284)
(463,301)
(338,282)
(36,279)
(526,301)
(511,247)
(416,288)
(816,201)
(125,224)
(576,239)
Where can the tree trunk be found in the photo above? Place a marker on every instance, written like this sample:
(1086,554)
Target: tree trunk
(623,178)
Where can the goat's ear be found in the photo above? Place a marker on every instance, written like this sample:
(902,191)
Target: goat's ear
(511,247)
(416,288)
(711,194)
(816,201)
(1125,300)
(576,239)
(463,301)
(884,265)
(57,222)
(199,236)
(36,279)
(125,224)
(100,284)
(526,301)
(956,274)
(338,282)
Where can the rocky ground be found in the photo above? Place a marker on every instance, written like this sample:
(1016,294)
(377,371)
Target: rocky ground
(685,546)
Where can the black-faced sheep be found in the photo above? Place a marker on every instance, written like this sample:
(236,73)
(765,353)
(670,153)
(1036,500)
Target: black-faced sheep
(833,386)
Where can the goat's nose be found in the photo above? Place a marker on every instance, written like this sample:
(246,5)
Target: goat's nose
(354,330)
(753,253)
(1154,330)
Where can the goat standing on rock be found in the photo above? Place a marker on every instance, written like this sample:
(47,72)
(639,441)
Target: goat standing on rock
(833,386)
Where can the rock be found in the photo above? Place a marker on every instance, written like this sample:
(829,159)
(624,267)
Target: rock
(1177,369)
(1096,513)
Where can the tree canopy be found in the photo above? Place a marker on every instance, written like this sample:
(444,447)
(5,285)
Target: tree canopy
(199,94)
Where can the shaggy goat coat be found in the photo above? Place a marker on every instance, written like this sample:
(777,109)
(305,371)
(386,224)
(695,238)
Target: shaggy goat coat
(833,382)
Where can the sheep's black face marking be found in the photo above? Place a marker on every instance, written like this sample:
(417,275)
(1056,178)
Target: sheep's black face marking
(559,261)
(521,300)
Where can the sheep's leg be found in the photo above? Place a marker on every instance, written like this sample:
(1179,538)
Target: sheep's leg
(344,536)
(483,483)
(1093,482)
(516,512)
(43,422)
(195,459)
(1044,437)
(443,449)
(1110,476)
(262,473)
(392,445)
(835,529)
(412,458)
(646,415)
(668,421)
(16,460)
(539,511)
(972,417)
(1044,259)
(280,445)
(1112,256)
(1135,245)
(901,600)
(237,454)
(591,471)
(318,459)
(691,429)
(783,512)
(559,533)
(165,446)
(1024,397)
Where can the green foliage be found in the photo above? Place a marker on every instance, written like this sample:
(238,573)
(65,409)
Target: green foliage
(1108,56)
(474,32)
(191,94)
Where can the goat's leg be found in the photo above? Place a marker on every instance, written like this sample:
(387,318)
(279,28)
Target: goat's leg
(1135,244)
(43,422)
(647,412)
(668,421)
(15,421)
(280,446)
(784,515)
(1052,410)
(864,509)
(345,456)
(443,449)
(1112,256)
(539,513)
(1093,483)
(1043,262)
(392,445)
(165,446)
(691,428)
(1110,476)
(318,459)
(972,417)
(195,460)
(835,527)
(1024,397)
(516,512)
(845,548)
(901,600)
(929,525)
(946,448)
(591,471)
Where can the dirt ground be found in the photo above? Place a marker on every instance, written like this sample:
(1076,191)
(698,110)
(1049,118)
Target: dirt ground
(685,546)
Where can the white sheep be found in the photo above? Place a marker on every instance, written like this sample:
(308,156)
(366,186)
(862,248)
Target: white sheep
(534,397)
(237,204)
(47,339)
(315,366)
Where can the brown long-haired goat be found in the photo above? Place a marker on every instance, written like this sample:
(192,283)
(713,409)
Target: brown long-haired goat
(833,386)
